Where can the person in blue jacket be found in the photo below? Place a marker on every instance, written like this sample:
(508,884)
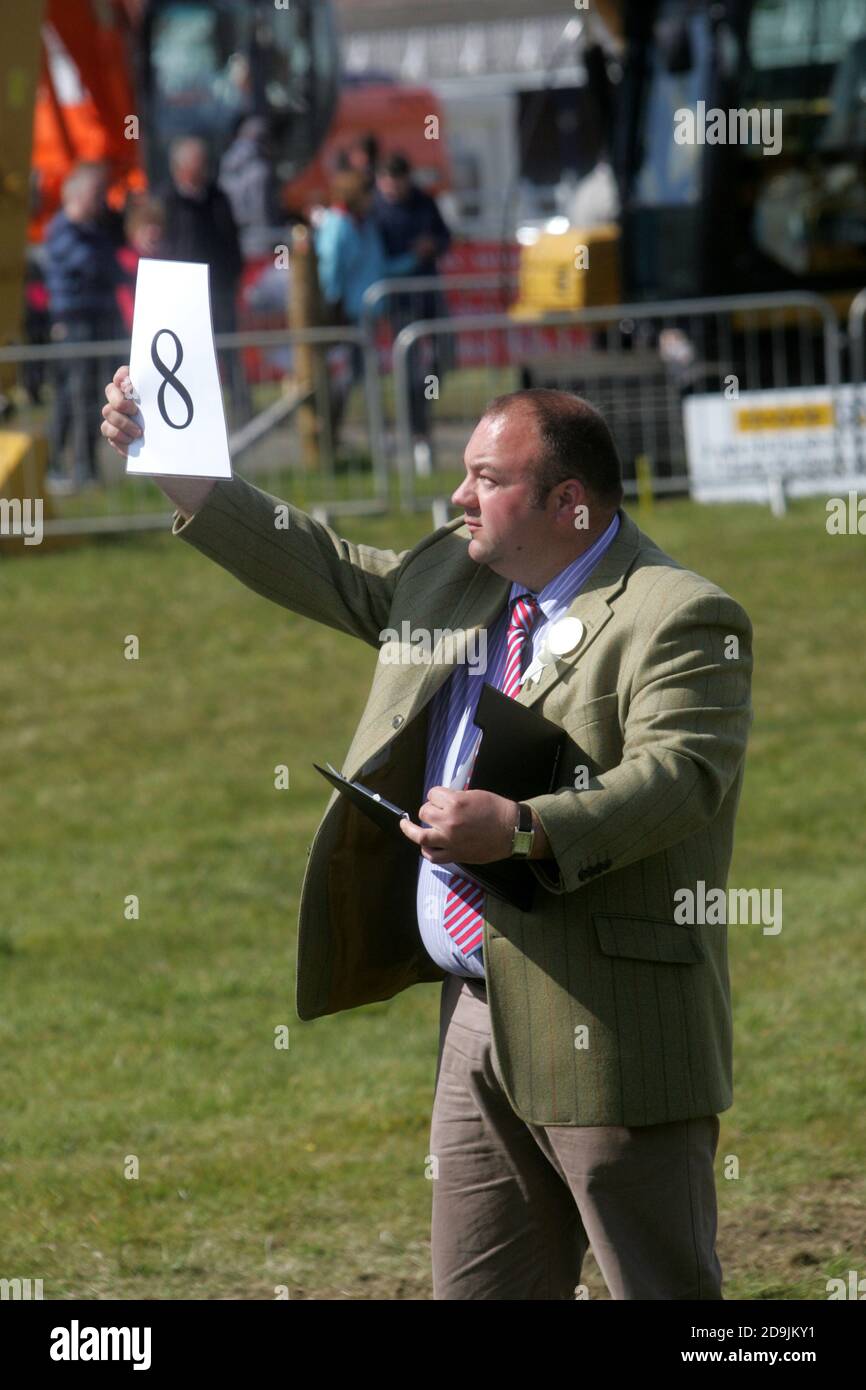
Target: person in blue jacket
(82,276)
(351,257)
(406,215)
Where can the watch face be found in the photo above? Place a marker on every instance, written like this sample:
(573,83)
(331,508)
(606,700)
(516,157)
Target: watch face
(521,845)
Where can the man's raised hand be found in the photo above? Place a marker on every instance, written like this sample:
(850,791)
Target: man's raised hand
(118,424)
(121,428)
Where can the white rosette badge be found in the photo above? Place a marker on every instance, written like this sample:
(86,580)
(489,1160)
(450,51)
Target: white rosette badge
(562,638)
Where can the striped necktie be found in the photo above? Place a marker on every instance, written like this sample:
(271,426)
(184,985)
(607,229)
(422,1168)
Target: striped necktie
(462,919)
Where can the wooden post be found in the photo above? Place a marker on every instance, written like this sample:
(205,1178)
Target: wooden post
(305,311)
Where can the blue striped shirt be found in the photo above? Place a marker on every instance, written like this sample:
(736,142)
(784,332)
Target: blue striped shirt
(452,738)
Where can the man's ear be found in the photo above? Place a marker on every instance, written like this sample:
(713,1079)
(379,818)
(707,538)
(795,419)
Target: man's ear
(573,505)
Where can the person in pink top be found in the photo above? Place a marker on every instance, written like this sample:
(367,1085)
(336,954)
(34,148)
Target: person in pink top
(145,228)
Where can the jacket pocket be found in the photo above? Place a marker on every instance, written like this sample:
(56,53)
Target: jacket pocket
(593,711)
(599,703)
(647,938)
(596,737)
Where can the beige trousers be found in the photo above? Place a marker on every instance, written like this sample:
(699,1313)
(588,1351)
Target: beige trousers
(516,1205)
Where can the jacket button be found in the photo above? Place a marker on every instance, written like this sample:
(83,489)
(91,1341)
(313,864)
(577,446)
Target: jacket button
(396,721)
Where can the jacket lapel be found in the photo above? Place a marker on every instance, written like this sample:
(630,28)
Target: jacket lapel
(592,606)
(477,608)
(483,599)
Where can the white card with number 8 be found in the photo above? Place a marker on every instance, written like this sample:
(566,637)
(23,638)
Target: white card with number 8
(173,369)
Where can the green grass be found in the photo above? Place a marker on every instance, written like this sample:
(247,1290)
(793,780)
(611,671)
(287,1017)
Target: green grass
(155,1037)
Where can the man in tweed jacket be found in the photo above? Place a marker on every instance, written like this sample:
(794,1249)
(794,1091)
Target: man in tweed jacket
(581,1073)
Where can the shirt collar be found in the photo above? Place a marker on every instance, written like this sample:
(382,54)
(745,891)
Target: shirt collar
(558,593)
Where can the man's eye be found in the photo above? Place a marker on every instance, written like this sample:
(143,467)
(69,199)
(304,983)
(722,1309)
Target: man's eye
(485,479)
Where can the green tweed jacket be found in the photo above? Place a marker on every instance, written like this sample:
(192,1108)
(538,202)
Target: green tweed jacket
(604,1009)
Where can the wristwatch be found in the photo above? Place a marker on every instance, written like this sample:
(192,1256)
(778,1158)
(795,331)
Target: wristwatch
(524,834)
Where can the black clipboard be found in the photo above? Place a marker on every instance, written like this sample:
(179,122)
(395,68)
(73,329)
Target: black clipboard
(383,812)
(518,758)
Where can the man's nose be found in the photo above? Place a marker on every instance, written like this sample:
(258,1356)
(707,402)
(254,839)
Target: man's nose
(463,496)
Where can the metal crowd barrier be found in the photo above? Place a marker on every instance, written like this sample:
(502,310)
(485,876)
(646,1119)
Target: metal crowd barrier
(856,335)
(58,393)
(857,338)
(411,293)
(391,305)
(637,362)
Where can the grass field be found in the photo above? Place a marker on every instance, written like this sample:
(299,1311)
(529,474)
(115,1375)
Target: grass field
(154,1038)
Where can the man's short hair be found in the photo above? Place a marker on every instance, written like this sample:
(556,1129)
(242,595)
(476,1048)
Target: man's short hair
(576,442)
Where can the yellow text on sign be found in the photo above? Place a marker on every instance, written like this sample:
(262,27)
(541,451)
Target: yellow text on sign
(786,417)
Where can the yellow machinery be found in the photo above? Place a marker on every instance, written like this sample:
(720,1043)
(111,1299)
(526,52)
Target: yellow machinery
(572,269)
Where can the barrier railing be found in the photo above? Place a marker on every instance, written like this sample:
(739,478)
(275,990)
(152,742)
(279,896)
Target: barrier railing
(411,291)
(58,393)
(635,361)
(857,338)
(856,334)
(390,305)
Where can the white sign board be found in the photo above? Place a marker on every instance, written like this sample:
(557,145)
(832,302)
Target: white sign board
(811,440)
(173,369)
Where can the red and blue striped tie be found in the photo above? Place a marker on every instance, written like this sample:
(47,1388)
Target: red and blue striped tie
(462,919)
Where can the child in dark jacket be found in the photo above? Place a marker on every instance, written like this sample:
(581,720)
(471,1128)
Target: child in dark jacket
(82,276)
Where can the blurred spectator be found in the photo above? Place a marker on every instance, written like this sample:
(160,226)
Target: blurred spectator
(249,181)
(407,216)
(109,220)
(264,303)
(37,325)
(145,231)
(200,226)
(82,276)
(361,156)
(351,257)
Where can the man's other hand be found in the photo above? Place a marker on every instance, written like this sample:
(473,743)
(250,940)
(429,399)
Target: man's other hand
(473,826)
